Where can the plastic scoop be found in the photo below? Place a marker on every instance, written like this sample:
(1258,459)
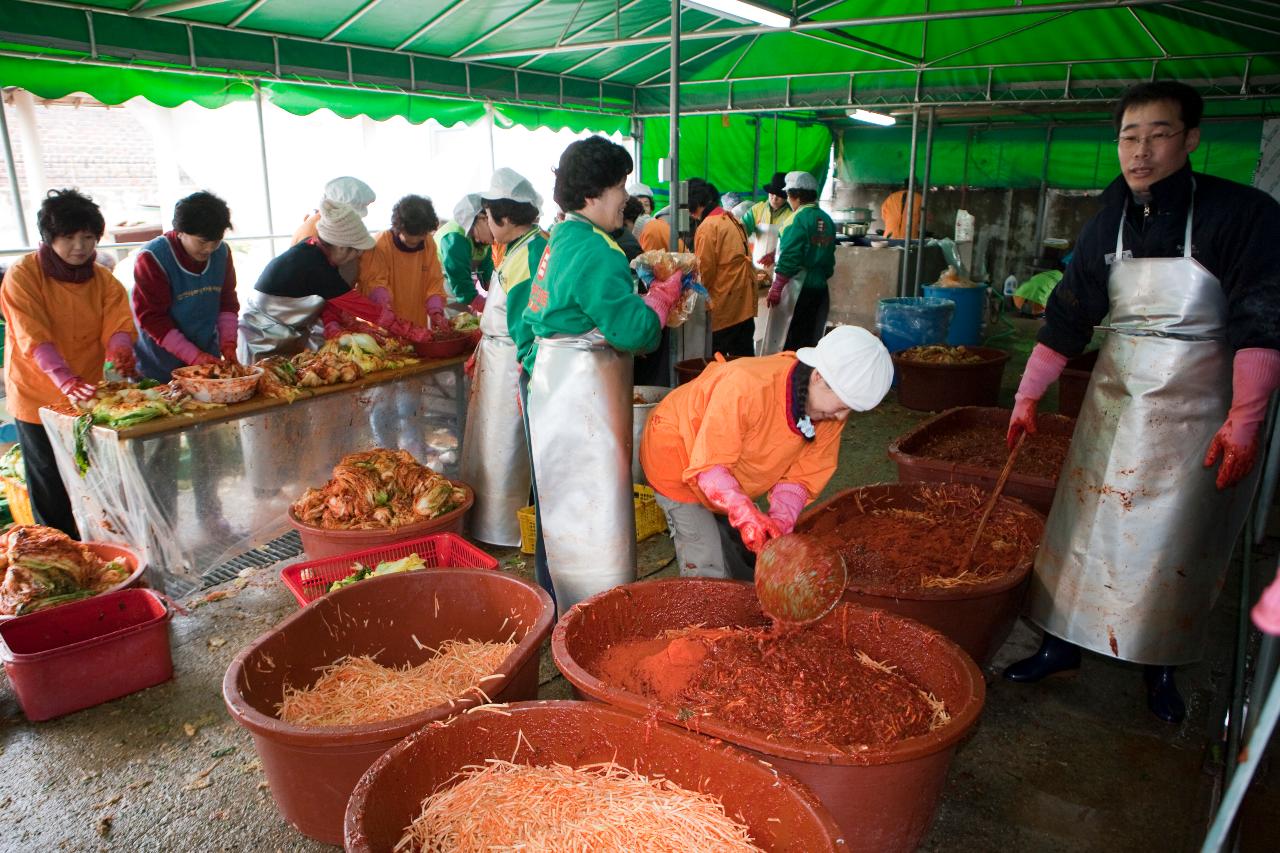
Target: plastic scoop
(799,579)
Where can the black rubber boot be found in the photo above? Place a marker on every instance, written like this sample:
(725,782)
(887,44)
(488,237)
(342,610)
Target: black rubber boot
(1163,697)
(1055,655)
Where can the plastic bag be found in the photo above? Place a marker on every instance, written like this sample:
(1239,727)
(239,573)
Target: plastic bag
(660,265)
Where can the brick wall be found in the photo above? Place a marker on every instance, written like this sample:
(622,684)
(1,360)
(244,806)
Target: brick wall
(103,151)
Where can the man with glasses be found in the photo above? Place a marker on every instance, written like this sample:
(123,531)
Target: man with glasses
(1161,468)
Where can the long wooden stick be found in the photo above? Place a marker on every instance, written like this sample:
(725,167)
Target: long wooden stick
(991,502)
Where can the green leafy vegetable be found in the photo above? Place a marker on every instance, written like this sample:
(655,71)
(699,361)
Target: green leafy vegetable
(83,424)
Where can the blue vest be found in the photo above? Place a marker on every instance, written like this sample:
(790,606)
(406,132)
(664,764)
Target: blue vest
(197,297)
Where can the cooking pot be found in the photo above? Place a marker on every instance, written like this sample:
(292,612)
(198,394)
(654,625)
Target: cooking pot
(855,229)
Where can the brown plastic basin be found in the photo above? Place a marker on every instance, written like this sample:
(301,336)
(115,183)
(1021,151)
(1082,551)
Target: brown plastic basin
(929,387)
(313,769)
(977,617)
(1036,492)
(882,798)
(782,814)
(320,542)
(1074,381)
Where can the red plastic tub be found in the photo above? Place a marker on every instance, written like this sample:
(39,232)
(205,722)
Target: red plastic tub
(312,579)
(781,814)
(883,798)
(913,466)
(318,542)
(399,618)
(451,347)
(87,652)
(978,617)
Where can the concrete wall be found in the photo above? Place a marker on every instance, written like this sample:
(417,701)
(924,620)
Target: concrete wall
(1005,220)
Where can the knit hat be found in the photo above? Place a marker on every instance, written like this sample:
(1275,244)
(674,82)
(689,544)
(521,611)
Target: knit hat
(777,186)
(638,189)
(351,191)
(730,200)
(466,211)
(510,184)
(854,363)
(800,181)
(340,225)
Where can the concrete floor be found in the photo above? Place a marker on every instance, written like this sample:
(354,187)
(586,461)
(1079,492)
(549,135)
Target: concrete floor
(1073,764)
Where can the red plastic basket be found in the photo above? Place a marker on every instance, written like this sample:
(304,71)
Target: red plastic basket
(310,580)
(87,652)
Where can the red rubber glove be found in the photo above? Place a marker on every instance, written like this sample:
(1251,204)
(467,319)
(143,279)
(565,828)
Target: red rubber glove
(663,294)
(120,354)
(780,283)
(1043,369)
(204,358)
(228,333)
(477,305)
(408,331)
(724,493)
(1255,374)
(768,260)
(436,318)
(229,352)
(786,502)
(469,366)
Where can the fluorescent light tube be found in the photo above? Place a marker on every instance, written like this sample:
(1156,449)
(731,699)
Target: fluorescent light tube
(740,11)
(873,118)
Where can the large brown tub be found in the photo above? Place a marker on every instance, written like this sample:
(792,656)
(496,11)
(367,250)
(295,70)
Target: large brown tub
(782,814)
(400,618)
(978,617)
(882,798)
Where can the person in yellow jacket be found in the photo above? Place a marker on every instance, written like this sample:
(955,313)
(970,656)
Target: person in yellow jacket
(402,271)
(720,244)
(766,219)
(64,316)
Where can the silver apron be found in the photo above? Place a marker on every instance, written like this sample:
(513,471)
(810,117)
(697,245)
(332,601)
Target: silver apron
(1139,538)
(279,325)
(495,459)
(692,338)
(777,320)
(766,242)
(580,436)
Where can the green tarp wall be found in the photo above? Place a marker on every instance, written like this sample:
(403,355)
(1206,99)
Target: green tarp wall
(721,149)
(1079,157)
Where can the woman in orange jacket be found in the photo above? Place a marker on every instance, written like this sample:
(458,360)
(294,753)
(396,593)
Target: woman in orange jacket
(751,426)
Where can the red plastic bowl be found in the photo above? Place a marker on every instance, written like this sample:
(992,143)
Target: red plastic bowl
(320,542)
(449,347)
(82,654)
(312,579)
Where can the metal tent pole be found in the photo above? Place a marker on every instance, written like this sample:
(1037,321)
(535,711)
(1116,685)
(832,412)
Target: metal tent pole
(1042,208)
(13,174)
(262,149)
(924,203)
(673,185)
(909,201)
(755,164)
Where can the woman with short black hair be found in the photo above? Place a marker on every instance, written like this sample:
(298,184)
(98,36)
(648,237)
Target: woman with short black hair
(64,315)
(402,271)
(184,292)
(588,321)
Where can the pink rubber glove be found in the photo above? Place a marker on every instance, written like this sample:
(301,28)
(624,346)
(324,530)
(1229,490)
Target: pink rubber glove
(477,305)
(768,260)
(780,283)
(177,343)
(724,492)
(228,332)
(380,296)
(435,312)
(1255,374)
(48,359)
(663,294)
(120,354)
(1043,369)
(786,502)
(1266,613)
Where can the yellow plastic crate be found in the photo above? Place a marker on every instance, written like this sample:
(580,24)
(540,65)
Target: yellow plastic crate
(649,520)
(20,502)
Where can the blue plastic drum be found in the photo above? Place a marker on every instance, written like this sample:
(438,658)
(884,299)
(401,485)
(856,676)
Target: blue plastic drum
(912,321)
(971,306)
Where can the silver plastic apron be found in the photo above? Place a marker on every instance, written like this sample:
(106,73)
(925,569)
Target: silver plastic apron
(580,402)
(495,459)
(692,338)
(777,320)
(1139,538)
(279,325)
(766,242)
